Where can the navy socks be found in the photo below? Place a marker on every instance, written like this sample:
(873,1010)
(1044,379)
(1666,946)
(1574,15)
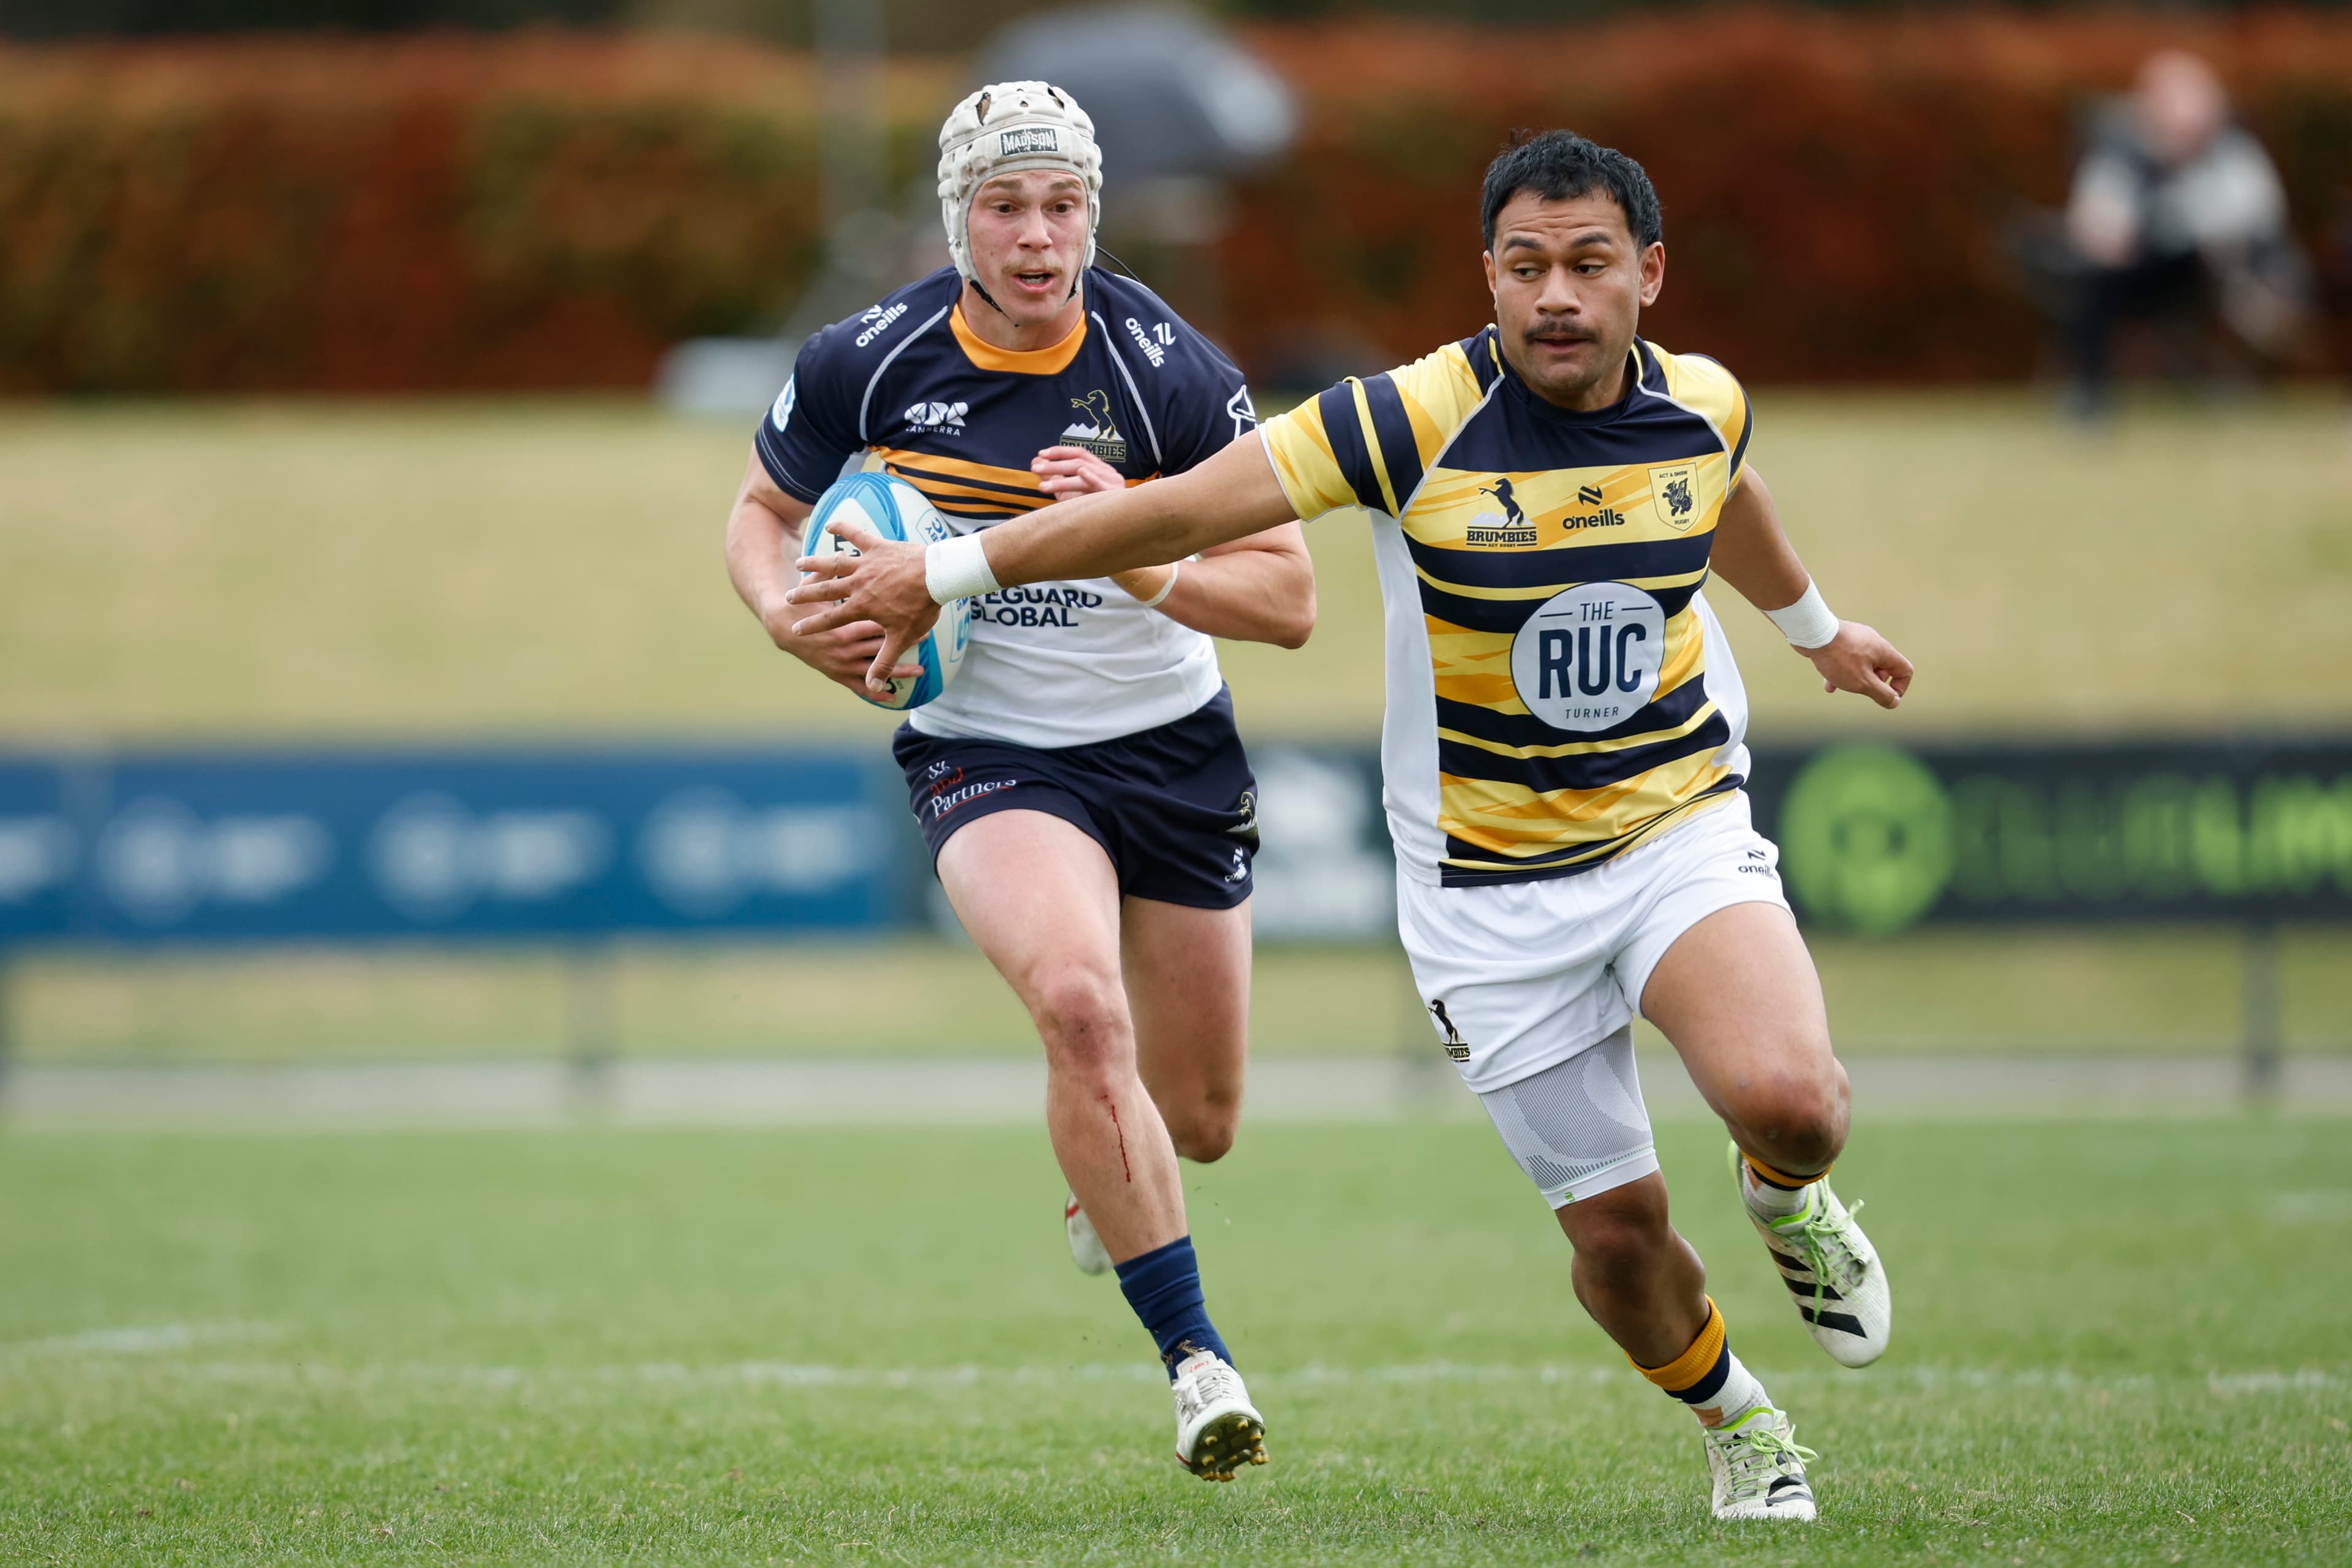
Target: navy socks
(1164,1285)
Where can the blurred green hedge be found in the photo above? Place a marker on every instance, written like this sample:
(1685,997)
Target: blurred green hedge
(544,210)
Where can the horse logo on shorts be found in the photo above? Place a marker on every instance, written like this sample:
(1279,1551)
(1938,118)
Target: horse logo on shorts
(1455,1049)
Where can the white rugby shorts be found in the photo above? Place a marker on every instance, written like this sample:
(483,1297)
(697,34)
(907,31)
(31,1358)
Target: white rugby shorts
(1520,976)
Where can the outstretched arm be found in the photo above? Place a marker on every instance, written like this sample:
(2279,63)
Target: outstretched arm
(1753,555)
(1258,589)
(1232,495)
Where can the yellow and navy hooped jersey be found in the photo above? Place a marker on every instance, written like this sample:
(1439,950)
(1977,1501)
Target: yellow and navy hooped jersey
(1558,689)
(910,389)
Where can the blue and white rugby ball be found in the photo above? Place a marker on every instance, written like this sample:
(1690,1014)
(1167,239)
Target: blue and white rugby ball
(896,510)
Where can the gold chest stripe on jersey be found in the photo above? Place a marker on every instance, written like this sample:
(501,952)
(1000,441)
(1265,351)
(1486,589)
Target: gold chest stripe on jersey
(1477,811)
(1493,813)
(968,499)
(987,476)
(961,469)
(1581,748)
(1600,849)
(946,496)
(1480,691)
(1546,590)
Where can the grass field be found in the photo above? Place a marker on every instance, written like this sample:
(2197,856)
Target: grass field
(2159,990)
(2118,1343)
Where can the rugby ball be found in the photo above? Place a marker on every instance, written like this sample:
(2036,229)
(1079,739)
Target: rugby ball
(896,510)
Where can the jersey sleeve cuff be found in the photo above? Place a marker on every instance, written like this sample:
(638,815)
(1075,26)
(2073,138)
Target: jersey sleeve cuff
(774,462)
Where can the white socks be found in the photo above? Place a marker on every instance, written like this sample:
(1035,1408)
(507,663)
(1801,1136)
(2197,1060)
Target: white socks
(1771,1202)
(1739,1394)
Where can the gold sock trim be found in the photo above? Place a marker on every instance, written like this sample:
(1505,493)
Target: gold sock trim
(1782,1179)
(1693,1364)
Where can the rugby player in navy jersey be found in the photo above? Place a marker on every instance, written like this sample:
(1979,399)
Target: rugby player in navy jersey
(1562,757)
(1089,810)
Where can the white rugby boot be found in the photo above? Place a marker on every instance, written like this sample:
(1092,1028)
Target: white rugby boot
(1830,1267)
(1759,1468)
(1086,1249)
(1217,1428)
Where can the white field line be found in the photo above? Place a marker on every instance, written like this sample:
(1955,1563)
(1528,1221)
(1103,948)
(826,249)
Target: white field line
(1011,1091)
(146,1339)
(93,1355)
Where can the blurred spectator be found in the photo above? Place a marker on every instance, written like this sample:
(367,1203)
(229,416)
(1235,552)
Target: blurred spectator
(2174,203)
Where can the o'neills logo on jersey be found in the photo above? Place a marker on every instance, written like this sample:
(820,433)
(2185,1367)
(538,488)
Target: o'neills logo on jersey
(1154,344)
(1095,429)
(1599,516)
(876,321)
(1034,139)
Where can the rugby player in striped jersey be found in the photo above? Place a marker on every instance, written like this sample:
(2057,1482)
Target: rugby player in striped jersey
(1563,756)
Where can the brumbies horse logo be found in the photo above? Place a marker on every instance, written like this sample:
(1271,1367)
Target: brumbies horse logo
(1501,490)
(1095,430)
(1456,1049)
(1510,526)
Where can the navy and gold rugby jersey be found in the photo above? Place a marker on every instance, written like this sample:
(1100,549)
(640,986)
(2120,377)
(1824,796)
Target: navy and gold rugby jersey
(910,389)
(1558,689)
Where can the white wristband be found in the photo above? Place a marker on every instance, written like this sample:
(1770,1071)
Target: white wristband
(1175,568)
(1808,623)
(958,569)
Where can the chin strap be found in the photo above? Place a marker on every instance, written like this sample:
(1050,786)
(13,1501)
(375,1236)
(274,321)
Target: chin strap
(990,299)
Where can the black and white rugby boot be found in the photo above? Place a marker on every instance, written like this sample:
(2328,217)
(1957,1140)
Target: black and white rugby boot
(1830,1269)
(1759,1468)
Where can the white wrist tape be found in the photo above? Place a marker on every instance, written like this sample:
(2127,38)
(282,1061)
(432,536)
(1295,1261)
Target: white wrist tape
(1175,569)
(958,569)
(1808,623)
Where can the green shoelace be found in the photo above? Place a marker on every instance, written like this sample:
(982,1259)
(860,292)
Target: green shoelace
(1811,1232)
(1757,1451)
(1814,1233)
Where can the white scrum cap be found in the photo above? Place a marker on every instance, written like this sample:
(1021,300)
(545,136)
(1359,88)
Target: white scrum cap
(1010,126)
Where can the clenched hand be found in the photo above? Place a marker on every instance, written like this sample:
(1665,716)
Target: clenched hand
(883,583)
(1859,659)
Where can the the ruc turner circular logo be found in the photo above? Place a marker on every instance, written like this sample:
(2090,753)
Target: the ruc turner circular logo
(1589,660)
(1867,839)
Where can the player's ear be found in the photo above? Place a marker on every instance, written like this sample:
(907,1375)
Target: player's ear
(1486,259)
(1653,271)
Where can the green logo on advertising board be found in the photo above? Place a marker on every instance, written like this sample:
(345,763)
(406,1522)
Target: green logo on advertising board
(1867,839)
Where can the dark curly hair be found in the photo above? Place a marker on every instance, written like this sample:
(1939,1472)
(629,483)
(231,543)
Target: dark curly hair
(1558,164)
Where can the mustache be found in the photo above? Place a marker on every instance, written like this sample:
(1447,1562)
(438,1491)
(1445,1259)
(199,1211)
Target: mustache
(1560,334)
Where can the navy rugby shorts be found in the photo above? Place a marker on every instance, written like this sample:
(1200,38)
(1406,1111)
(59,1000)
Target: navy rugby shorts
(1175,808)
